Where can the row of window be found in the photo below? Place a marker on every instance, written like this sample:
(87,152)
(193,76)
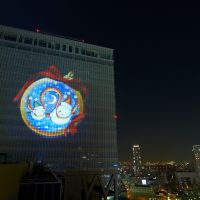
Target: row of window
(50,52)
(51,45)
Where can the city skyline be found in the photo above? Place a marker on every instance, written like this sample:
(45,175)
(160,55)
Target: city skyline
(156,68)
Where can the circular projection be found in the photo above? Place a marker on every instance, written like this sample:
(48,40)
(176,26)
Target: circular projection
(48,107)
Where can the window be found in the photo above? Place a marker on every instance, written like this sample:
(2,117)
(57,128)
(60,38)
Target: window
(35,42)
(83,51)
(10,37)
(91,53)
(57,46)
(70,48)
(49,45)
(76,50)
(28,40)
(87,53)
(106,56)
(64,47)
(42,43)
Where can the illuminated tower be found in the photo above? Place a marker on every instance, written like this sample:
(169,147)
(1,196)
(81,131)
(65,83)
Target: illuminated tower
(136,159)
(57,102)
(196,157)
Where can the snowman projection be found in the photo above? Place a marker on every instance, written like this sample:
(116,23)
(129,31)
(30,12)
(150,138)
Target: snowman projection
(50,106)
(38,112)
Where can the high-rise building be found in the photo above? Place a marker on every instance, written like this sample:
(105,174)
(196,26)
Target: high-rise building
(57,102)
(196,157)
(136,159)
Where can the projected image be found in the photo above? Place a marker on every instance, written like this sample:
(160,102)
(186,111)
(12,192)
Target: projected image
(52,105)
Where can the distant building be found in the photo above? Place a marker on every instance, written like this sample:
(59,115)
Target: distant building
(126,167)
(136,159)
(187,180)
(184,166)
(196,156)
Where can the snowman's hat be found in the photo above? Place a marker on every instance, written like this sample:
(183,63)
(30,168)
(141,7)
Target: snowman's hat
(36,103)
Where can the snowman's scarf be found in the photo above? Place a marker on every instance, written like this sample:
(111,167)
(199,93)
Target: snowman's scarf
(53,73)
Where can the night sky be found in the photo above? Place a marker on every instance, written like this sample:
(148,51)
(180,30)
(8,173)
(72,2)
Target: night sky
(157,67)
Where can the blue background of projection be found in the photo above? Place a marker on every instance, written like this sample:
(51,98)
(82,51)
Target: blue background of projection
(46,123)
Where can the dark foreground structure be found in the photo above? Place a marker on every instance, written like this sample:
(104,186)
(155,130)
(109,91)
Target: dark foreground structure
(74,184)
(18,183)
(57,107)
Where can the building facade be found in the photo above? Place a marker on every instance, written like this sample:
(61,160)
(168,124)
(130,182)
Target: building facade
(136,159)
(57,102)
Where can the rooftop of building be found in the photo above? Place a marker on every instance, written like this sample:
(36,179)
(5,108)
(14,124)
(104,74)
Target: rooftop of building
(54,43)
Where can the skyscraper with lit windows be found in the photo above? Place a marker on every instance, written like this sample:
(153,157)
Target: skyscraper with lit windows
(196,158)
(136,159)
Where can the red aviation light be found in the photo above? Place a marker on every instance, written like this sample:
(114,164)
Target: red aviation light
(115,117)
(37,30)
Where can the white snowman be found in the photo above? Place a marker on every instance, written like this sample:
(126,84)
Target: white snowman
(38,111)
(61,114)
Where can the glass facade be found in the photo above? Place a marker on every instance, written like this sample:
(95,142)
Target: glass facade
(56,105)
